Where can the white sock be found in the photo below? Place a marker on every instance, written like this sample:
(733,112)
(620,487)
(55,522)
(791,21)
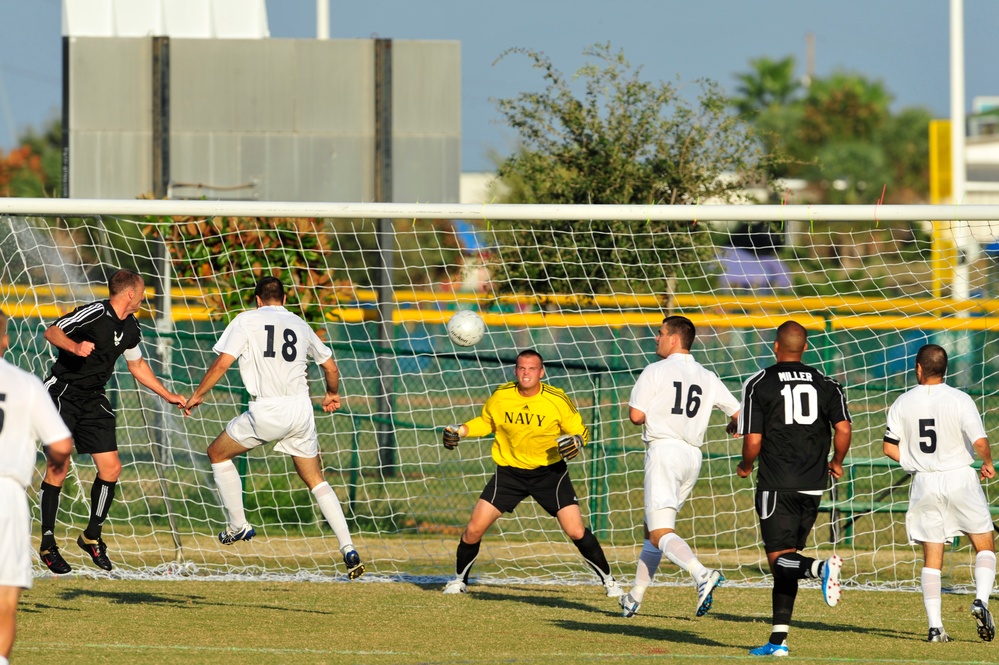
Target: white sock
(4,661)
(648,564)
(932,596)
(679,552)
(330,506)
(231,491)
(985,575)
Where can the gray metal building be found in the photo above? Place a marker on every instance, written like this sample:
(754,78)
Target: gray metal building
(267,119)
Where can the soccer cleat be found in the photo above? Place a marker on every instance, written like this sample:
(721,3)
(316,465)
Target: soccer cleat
(54,561)
(937,635)
(613,589)
(229,536)
(986,626)
(352,560)
(97,550)
(705,590)
(831,589)
(770,649)
(454,587)
(629,606)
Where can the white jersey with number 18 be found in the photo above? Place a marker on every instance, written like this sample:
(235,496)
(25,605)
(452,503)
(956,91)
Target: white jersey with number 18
(934,427)
(273,346)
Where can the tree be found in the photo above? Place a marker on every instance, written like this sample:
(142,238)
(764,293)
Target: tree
(621,140)
(34,168)
(770,84)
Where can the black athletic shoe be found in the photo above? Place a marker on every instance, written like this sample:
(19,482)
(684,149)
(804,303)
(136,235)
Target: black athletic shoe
(986,626)
(97,550)
(54,561)
(352,560)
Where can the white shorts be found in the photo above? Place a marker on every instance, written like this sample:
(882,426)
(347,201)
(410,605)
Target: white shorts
(671,470)
(15,535)
(288,422)
(945,504)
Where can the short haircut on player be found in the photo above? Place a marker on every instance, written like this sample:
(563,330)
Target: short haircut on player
(682,326)
(123,280)
(791,336)
(531,353)
(933,359)
(269,289)
(3,323)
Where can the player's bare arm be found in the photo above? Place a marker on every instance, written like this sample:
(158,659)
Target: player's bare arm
(891,451)
(331,401)
(982,449)
(215,372)
(55,336)
(732,427)
(143,373)
(842,434)
(636,416)
(751,445)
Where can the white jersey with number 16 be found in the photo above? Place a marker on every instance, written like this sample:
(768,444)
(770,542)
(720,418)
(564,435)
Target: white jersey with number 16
(273,346)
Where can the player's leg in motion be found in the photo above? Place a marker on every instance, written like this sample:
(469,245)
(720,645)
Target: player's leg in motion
(678,551)
(484,514)
(48,497)
(985,577)
(648,564)
(221,453)
(8,608)
(571,521)
(310,470)
(101,496)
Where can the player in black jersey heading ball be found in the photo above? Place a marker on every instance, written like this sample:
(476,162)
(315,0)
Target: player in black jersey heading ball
(90,339)
(788,411)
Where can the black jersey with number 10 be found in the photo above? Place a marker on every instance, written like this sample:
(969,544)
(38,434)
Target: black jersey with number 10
(794,407)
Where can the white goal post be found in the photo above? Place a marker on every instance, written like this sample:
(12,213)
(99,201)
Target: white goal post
(587,286)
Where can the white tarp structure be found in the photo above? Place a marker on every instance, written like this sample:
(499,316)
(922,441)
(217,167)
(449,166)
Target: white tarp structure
(191,19)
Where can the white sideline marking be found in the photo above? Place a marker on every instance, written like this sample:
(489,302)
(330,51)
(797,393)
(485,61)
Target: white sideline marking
(66,646)
(539,658)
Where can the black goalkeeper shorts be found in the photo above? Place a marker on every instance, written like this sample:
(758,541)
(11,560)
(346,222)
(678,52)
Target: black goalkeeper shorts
(550,486)
(786,518)
(88,416)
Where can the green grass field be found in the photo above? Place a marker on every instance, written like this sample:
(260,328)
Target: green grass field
(166,622)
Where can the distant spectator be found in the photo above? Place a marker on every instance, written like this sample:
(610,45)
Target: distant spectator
(750,262)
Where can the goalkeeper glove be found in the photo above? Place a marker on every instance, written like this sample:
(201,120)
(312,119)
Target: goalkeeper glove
(452,435)
(569,445)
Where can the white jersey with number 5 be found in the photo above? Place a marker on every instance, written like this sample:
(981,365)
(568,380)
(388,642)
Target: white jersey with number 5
(676,395)
(934,427)
(27,415)
(273,346)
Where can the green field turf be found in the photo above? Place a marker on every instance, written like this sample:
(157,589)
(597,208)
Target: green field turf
(165,622)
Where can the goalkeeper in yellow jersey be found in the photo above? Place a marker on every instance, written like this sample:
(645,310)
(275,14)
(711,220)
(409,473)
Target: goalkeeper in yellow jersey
(537,429)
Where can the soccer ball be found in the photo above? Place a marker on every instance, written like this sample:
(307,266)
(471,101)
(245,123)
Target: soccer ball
(466,328)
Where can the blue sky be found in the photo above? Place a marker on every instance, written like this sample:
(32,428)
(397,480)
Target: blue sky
(903,43)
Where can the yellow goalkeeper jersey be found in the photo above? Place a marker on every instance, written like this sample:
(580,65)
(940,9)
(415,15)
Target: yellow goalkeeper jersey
(526,427)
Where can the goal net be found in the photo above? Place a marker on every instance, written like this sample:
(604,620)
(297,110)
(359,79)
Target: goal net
(588,295)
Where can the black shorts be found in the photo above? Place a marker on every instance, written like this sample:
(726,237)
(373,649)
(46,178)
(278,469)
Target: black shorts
(88,416)
(550,486)
(786,518)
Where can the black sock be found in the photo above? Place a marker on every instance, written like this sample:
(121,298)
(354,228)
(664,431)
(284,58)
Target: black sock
(784,592)
(48,497)
(101,496)
(590,548)
(795,566)
(465,558)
